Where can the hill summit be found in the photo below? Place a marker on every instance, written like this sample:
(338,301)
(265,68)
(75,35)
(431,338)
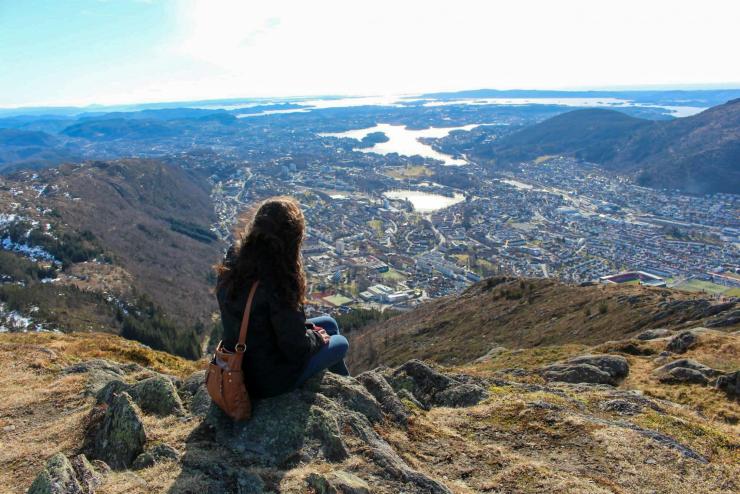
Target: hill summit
(648,410)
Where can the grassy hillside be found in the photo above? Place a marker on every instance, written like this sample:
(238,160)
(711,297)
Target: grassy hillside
(517,313)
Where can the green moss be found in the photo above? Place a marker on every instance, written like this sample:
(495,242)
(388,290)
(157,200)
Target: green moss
(704,438)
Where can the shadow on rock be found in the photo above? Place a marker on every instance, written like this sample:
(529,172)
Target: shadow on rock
(330,419)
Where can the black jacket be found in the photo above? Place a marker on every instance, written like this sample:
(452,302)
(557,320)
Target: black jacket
(278,343)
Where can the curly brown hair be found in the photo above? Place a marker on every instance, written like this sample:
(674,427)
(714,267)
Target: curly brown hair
(268,247)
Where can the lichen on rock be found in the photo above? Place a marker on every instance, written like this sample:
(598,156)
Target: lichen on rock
(120,437)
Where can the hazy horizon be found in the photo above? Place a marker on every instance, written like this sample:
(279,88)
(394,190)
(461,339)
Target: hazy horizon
(117,52)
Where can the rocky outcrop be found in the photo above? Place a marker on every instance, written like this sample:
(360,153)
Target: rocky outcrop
(100,372)
(730,384)
(652,334)
(155,395)
(682,342)
(339,482)
(685,371)
(63,476)
(592,369)
(156,454)
(431,388)
(120,436)
(390,403)
(330,419)
(683,375)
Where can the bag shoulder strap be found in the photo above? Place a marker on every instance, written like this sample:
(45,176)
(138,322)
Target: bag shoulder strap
(241,346)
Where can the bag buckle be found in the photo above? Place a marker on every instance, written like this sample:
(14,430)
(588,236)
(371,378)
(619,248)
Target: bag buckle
(241,347)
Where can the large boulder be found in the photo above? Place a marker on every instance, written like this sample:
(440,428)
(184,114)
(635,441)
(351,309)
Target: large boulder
(576,374)
(157,395)
(688,364)
(194,393)
(57,477)
(352,394)
(589,369)
(120,436)
(432,388)
(614,365)
(652,334)
(328,419)
(154,394)
(682,342)
(683,375)
(730,383)
(63,476)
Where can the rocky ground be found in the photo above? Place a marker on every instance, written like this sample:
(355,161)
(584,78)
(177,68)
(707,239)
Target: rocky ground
(85,413)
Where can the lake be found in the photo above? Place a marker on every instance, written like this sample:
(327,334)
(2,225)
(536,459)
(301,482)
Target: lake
(424,202)
(405,141)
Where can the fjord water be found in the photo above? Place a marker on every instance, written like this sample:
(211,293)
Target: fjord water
(424,202)
(405,141)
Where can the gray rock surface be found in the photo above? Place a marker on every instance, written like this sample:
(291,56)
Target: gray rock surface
(577,373)
(154,394)
(730,383)
(431,388)
(63,476)
(614,365)
(683,375)
(377,386)
(120,437)
(682,342)
(689,364)
(621,407)
(652,334)
(338,482)
(194,394)
(157,395)
(352,394)
(330,418)
(57,477)
(591,369)
(155,454)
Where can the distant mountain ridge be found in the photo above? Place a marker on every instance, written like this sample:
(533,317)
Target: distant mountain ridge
(697,154)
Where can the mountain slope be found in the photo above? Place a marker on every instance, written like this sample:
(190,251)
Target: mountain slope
(121,246)
(698,154)
(154,218)
(478,428)
(592,135)
(516,313)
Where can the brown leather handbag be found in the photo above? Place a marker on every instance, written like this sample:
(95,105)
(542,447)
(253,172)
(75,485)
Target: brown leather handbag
(225,378)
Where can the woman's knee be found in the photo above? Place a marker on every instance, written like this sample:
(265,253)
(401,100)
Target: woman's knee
(328,323)
(339,344)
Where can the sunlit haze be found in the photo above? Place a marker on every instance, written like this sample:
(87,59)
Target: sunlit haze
(82,52)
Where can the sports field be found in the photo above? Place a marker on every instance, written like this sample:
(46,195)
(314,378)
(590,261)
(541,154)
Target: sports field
(708,287)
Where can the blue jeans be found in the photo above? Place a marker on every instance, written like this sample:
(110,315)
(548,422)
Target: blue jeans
(331,355)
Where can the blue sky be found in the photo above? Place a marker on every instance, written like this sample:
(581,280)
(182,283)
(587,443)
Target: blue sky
(82,52)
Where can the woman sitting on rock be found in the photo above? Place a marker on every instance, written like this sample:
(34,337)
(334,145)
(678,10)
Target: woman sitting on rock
(283,349)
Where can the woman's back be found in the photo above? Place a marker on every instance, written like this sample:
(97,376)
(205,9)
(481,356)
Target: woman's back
(278,344)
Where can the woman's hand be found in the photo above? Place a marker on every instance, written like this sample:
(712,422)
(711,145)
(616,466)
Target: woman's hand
(322,332)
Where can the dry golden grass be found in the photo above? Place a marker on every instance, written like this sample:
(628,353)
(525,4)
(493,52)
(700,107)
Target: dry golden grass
(78,346)
(43,411)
